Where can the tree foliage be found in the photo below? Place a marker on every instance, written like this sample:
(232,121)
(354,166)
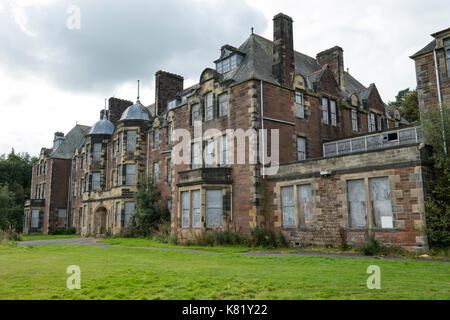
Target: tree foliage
(147,214)
(15,184)
(407,102)
(438,201)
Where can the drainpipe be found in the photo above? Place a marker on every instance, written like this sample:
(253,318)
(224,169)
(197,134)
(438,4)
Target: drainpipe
(263,147)
(440,100)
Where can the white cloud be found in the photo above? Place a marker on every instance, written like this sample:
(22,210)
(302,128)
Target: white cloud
(52,77)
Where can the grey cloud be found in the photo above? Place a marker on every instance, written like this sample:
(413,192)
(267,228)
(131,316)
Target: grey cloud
(122,41)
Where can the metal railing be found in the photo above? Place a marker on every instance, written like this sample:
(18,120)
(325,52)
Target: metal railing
(374,141)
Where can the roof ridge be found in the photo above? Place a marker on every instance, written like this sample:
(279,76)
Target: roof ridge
(304,54)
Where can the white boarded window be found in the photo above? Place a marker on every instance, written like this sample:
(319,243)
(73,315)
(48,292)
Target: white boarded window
(129,208)
(372,122)
(196,223)
(223,150)
(97,152)
(96,181)
(169,134)
(185,209)
(196,155)
(35,218)
(130,177)
(380,195)
(156,139)
(118,214)
(75,189)
(288,206)
(299,108)
(85,215)
(131,140)
(301,148)
(333,112)
(62,213)
(304,197)
(223,105)
(357,203)
(120,141)
(354,120)
(74,217)
(209,153)
(169,170)
(155,172)
(325,116)
(195,113)
(209,107)
(213,208)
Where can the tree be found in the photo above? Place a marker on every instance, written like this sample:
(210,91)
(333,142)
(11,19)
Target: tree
(147,214)
(15,175)
(438,201)
(5,202)
(407,102)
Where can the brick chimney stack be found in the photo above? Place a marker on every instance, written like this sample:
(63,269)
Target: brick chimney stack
(283,50)
(115,110)
(334,57)
(167,86)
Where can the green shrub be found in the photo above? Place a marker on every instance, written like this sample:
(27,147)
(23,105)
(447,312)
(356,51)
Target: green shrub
(10,235)
(371,247)
(263,237)
(164,234)
(281,241)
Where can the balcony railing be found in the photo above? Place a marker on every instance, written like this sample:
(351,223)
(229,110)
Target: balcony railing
(374,141)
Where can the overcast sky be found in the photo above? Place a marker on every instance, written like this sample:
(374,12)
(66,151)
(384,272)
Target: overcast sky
(53,76)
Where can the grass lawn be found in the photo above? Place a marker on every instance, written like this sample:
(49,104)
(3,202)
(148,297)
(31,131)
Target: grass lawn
(48,237)
(136,242)
(39,272)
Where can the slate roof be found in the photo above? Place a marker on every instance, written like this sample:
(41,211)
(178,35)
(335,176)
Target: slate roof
(136,112)
(428,48)
(72,140)
(103,126)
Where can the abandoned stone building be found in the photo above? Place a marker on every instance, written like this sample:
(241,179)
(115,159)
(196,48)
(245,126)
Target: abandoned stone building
(348,164)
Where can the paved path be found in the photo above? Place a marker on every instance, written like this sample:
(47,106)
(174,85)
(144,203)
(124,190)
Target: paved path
(95,242)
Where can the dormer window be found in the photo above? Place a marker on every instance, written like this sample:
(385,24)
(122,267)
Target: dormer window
(229,60)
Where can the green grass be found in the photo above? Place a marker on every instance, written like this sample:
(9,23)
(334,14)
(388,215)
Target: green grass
(39,272)
(48,237)
(137,242)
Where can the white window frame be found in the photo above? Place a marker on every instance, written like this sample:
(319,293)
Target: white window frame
(130,174)
(354,116)
(223,105)
(96,182)
(209,107)
(301,154)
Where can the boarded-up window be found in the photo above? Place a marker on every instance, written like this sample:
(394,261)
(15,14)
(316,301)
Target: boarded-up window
(96,181)
(223,105)
(356,203)
(35,218)
(196,209)
(62,213)
(213,208)
(156,139)
(223,150)
(288,206)
(169,134)
(85,215)
(185,209)
(129,208)
(209,109)
(97,152)
(118,214)
(131,140)
(333,112)
(301,148)
(196,155)
(209,153)
(354,120)
(305,205)
(169,170)
(195,113)
(299,108)
(130,177)
(74,217)
(120,141)
(325,116)
(380,195)
(155,172)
